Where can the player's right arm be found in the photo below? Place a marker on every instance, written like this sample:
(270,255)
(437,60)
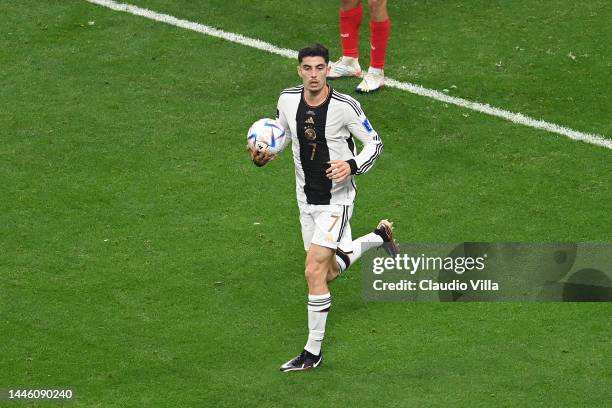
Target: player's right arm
(281,118)
(260,158)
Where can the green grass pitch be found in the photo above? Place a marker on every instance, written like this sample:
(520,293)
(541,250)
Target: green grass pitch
(144,261)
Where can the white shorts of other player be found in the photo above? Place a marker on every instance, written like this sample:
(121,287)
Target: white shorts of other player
(326,225)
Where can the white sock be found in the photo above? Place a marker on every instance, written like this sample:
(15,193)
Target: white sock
(360,245)
(318,307)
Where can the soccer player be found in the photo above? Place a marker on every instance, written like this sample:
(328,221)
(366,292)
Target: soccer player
(321,124)
(351,13)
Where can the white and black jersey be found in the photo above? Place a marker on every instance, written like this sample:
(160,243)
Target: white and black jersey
(323,133)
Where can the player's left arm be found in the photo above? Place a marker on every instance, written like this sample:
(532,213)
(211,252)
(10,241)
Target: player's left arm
(262,158)
(281,118)
(259,158)
(360,127)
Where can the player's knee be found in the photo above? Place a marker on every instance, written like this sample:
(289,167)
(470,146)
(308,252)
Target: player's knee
(349,4)
(314,271)
(377,5)
(316,266)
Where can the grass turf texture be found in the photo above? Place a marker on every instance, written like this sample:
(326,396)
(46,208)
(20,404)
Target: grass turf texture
(131,266)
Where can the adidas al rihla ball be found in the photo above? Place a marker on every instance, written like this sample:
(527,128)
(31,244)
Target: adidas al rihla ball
(266,135)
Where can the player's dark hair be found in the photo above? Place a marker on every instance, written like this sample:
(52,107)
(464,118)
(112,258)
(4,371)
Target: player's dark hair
(314,50)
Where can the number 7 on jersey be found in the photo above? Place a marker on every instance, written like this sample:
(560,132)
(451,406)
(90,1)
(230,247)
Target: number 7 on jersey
(314,150)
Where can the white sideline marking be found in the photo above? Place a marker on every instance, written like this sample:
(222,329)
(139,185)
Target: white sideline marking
(517,118)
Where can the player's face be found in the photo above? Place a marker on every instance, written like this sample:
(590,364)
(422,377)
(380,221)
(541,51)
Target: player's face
(313,71)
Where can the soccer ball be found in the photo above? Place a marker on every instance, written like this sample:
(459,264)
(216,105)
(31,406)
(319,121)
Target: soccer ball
(266,135)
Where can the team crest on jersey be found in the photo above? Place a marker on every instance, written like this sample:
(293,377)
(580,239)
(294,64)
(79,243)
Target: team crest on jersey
(310,134)
(367,126)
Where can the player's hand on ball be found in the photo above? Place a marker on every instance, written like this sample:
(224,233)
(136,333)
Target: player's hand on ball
(258,157)
(338,170)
